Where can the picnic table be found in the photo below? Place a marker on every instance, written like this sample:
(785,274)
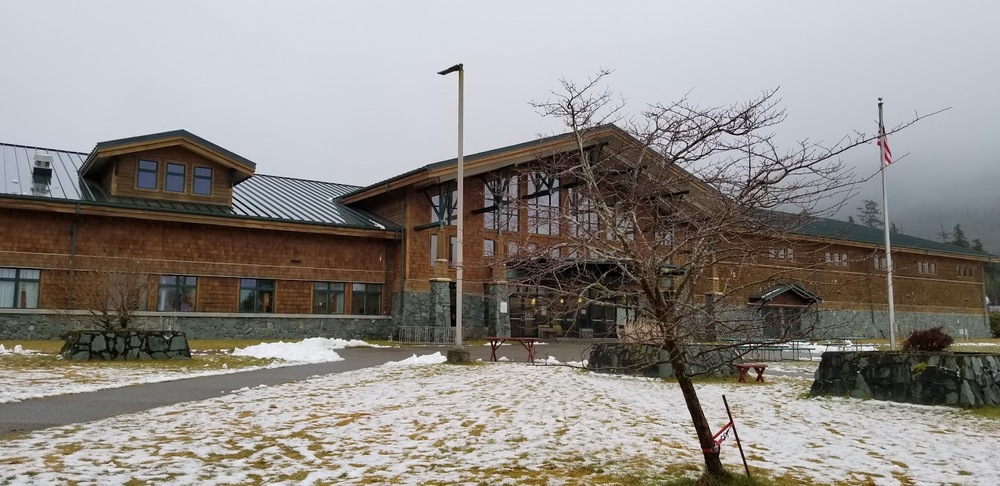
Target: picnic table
(744,368)
(527,342)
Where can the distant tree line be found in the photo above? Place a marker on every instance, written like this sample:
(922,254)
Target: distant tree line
(869,214)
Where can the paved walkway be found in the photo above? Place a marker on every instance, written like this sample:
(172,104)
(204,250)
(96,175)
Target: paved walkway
(41,413)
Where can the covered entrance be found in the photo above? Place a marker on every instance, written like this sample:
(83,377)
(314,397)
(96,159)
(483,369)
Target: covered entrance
(784,309)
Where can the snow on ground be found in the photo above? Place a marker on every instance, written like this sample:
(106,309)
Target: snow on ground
(418,422)
(44,379)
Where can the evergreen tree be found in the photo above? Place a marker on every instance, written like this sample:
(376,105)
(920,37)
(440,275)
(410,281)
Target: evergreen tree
(894,229)
(977,245)
(850,219)
(958,237)
(869,214)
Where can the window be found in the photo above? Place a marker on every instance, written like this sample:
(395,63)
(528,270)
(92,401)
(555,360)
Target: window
(781,254)
(147,175)
(511,249)
(836,259)
(489,248)
(444,203)
(176,293)
(202,183)
(881,264)
(19,288)
(623,226)
(452,249)
(256,295)
(543,204)
(583,220)
(366,299)
(175,178)
(328,298)
(927,268)
(965,271)
(434,249)
(500,200)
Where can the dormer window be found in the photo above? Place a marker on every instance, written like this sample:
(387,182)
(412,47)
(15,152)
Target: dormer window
(147,175)
(175,178)
(202,183)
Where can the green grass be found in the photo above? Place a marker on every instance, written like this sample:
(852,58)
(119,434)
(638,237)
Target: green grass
(992,413)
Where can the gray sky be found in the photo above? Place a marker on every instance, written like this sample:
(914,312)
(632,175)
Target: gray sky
(348,91)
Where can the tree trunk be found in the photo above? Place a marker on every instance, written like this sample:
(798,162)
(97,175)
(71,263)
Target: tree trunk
(713,464)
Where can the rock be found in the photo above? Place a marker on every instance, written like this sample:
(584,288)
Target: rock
(967,395)
(98,344)
(81,356)
(157,343)
(457,356)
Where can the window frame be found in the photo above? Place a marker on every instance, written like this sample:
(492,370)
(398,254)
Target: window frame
(544,209)
(181,287)
(172,176)
(327,293)
(260,286)
(195,178)
(500,196)
(155,171)
(363,291)
(20,294)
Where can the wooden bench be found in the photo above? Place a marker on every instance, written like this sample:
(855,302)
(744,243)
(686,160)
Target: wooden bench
(743,368)
(497,341)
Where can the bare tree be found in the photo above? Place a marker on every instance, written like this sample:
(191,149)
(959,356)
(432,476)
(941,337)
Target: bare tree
(112,291)
(670,215)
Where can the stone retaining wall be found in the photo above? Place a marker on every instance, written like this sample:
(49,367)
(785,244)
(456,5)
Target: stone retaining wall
(125,345)
(965,379)
(52,325)
(646,360)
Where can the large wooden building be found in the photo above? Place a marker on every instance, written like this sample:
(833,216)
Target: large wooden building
(226,252)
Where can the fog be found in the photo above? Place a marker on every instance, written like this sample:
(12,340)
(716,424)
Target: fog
(348,91)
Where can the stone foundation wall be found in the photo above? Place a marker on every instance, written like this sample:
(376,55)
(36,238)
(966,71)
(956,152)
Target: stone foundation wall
(829,323)
(51,325)
(965,379)
(125,345)
(651,361)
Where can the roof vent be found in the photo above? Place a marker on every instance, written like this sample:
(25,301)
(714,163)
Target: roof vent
(43,164)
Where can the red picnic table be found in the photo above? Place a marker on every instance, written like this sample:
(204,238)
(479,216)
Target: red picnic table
(743,368)
(527,342)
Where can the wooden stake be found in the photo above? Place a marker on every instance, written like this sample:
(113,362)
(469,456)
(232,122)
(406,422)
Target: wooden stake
(737,436)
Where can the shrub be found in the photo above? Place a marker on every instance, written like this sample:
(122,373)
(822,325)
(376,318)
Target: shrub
(995,324)
(933,339)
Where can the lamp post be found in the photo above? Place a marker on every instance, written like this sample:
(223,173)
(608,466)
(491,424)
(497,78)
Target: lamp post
(461,194)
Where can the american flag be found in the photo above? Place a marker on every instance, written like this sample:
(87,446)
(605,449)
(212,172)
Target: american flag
(883,144)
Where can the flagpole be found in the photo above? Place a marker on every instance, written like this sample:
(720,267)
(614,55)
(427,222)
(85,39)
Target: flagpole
(885,218)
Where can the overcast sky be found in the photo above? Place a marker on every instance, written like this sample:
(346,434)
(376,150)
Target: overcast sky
(348,91)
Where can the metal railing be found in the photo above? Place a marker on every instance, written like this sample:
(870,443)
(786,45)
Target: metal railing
(425,334)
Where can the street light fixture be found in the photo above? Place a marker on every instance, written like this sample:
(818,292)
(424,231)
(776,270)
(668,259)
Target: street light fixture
(461,194)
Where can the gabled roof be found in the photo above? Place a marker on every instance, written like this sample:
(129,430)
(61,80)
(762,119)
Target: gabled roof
(243,167)
(481,161)
(260,197)
(781,289)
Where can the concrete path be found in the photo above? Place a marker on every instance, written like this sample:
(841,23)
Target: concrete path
(41,413)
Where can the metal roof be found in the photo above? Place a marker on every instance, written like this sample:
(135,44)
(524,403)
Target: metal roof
(841,230)
(260,197)
(178,134)
(796,289)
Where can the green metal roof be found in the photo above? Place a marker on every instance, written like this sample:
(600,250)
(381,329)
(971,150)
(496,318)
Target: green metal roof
(485,154)
(841,230)
(178,133)
(261,197)
(796,289)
